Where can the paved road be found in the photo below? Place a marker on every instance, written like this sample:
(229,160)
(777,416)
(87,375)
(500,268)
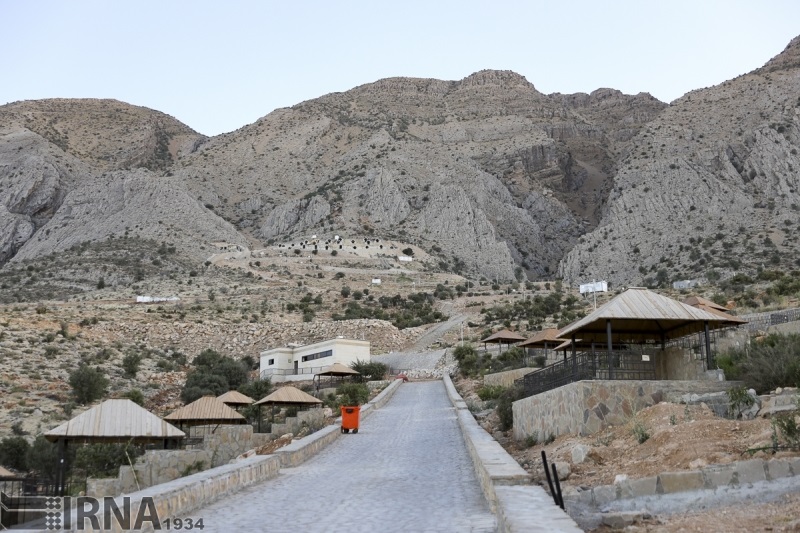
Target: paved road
(407,469)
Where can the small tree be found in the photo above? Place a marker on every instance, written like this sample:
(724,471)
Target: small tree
(13,452)
(88,384)
(345,291)
(408,251)
(130,364)
(352,393)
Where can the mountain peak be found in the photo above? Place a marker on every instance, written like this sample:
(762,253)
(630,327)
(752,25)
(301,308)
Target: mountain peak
(788,59)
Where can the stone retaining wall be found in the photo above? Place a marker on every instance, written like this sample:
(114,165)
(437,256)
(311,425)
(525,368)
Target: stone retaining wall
(518,505)
(586,407)
(709,477)
(507,378)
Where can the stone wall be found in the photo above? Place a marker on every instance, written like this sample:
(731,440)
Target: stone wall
(506,379)
(228,442)
(587,407)
(312,419)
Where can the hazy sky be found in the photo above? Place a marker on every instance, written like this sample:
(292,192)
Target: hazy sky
(219,65)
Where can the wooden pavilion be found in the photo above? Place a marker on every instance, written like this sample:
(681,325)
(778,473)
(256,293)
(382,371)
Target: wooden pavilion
(235,399)
(503,336)
(335,370)
(113,421)
(286,396)
(205,411)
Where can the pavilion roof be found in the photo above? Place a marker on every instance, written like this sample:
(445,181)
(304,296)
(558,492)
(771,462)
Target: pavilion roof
(288,395)
(639,314)
(206,408)
(233,397)
(115,420)
(549,336)
(504,336)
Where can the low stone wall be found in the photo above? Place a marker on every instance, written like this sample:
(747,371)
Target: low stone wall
(507,378)
(586,407)
(311,418)
(229,441)
(709,477)
(518,505)
(180,497)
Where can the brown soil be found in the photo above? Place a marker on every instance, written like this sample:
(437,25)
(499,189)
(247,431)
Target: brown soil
(680,438)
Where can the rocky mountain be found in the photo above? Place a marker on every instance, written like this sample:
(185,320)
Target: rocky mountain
(488,175)
(709,187)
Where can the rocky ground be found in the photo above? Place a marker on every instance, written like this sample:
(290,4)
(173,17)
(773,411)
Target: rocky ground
(681,437)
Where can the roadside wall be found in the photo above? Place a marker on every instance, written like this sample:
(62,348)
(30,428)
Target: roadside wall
(587,407)
(506,379)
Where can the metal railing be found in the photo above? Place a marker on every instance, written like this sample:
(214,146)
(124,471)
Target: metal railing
(625,365)
(310,371)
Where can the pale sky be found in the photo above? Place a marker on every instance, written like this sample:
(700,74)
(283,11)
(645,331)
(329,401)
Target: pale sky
(219,65)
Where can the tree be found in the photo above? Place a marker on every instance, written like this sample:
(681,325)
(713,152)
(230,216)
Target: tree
(42,457)
(88,384)
(408,251)
(345,291)
(13,452)
(130,364)
(213,374)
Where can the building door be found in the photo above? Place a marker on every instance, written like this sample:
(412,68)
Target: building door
(295,367)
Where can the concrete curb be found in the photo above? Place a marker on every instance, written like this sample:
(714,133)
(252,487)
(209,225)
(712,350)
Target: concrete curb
(710,477)
(181,497)
(518,505)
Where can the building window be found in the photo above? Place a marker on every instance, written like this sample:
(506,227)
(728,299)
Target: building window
(318,355)
(271,362)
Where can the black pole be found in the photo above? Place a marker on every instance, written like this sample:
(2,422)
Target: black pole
(61,475)
(259,418)
(549,479)
(610,361)
(708,346)
(560,501)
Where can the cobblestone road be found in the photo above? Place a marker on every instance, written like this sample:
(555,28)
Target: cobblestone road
(407,469)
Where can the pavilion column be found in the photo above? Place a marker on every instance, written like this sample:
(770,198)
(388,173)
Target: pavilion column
(708,345)
(61,475)
(610,359)
(574,360)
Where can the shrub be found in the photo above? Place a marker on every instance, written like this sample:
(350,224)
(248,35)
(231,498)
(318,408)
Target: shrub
(42,457)
(504,412)
(640,432)
(13,452)
(408,251)
(369,370)
(490,392)
(136,396)
(352,394)
(763,366)
(130,364)
(738,401)
(88,384)
(345,291)
(787,427)
(104,460)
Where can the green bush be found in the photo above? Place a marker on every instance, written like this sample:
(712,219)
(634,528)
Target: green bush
(504,411)
(130,364)
(213,374)
(13,452)
(42,457)
(104,460)
(136,396)
(88,384)
(738,401)
(369,370)
(640,432)
(352,394)
(490,392)
(765,365)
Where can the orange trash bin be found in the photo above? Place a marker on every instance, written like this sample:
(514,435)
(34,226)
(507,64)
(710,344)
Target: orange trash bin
(350,418)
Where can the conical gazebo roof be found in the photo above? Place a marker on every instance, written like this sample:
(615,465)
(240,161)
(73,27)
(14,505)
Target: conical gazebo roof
(504,336)
(704,303)
(338,369)
(234,397)
(207,408)
(547,336)
(288,395)
(115,421)
(640,314)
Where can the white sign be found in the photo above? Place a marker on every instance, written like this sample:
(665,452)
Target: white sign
(404,258)
(597,286)
(376,281)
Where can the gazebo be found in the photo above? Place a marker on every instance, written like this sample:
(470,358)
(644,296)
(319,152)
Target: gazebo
(285,396)
(235,399)
(503,336)
(545,340)
(113,421)
(207,410)
(638,316)
(336,369)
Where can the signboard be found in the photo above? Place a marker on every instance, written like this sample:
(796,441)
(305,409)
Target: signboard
(596,286)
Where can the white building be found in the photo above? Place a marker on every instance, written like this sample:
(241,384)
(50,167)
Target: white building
(298,363)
